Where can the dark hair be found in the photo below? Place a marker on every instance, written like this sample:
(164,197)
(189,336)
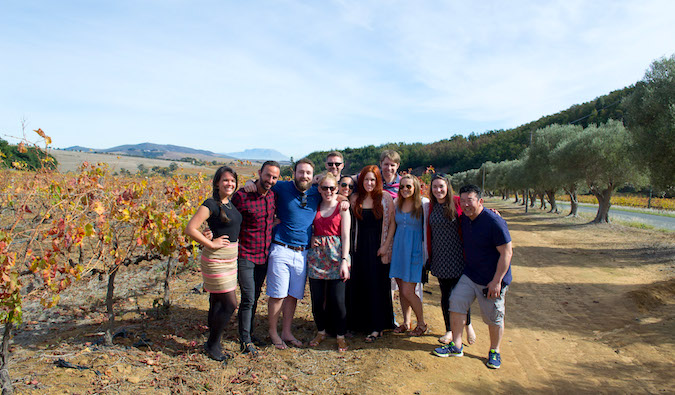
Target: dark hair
(272,163)
(216,195)
(471,188)
(449,209)
(303,160)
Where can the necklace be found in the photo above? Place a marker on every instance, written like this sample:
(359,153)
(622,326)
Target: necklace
(228,205)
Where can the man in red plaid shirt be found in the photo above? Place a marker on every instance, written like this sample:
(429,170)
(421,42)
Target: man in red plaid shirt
(257,210)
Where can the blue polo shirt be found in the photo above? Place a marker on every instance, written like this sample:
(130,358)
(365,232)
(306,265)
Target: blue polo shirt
(480,239)
(295,228)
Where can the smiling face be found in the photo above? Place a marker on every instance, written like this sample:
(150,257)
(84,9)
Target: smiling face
(406,188)
(369,182)
(303,176)
(334,165)
(439,189)
(346,186)
(471,204)
(269,176)
(328,190)
(226,185)
(389,169)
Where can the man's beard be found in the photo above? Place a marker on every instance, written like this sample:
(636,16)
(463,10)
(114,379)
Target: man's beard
(302,185)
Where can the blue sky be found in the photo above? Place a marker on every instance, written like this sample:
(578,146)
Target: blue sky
(300,76)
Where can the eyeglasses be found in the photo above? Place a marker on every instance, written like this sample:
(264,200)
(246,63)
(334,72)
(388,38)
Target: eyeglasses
(407,186)
(325,188)
(331,164)
(345,185)
(303,200)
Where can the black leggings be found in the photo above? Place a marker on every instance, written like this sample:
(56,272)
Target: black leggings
(447,284)
(221,307)
(329,296)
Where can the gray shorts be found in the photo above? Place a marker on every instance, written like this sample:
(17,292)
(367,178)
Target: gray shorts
(464,293)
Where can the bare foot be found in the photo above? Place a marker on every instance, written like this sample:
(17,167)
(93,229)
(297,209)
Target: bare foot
(289,338)
(446,339)
(470,334)
(277,341)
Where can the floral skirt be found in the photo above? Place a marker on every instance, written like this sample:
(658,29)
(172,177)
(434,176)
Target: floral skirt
(323,261)
(219,268)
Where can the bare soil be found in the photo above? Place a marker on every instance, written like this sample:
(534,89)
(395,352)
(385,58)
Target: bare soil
(590,310)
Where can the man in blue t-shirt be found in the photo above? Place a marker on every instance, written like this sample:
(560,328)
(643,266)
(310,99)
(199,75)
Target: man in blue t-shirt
(297,202)
(487,274)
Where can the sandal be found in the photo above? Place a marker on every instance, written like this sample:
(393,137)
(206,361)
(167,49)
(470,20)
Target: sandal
(317,340)
(401,329)
(420,330)
(372,338)
(342,344)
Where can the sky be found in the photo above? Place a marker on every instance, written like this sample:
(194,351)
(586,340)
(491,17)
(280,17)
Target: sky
(302,76)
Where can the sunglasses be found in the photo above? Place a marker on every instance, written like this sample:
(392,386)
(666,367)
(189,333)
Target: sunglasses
(345,185)
(331,164)
(303,200)
(325,188)
(407,186)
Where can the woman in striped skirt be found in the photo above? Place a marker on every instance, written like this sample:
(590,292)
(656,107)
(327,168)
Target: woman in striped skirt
(219,255)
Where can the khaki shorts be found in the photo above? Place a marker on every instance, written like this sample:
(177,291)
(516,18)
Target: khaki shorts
(466,291)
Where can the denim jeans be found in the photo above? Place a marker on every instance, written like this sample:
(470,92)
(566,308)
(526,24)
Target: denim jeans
(251,278)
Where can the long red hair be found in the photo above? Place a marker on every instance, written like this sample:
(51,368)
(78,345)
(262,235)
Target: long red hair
(376,194)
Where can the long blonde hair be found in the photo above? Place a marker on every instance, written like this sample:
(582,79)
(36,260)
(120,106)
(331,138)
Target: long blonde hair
(416,197)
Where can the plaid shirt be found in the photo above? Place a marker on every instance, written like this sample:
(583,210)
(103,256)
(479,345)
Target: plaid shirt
(257,213)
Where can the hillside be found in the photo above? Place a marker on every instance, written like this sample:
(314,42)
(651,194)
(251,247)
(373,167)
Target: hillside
(459,153)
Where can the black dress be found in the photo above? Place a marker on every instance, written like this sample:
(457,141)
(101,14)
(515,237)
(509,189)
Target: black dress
(369,288)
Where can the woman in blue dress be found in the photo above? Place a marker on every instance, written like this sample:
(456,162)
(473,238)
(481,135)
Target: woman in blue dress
(407,258)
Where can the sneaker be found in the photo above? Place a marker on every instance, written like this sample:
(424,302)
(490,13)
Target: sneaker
(494,360)
(449,350)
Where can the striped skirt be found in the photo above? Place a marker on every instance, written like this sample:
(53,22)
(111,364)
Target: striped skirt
(219,268)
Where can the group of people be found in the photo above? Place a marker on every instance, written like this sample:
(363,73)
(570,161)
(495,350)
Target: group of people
(355,238)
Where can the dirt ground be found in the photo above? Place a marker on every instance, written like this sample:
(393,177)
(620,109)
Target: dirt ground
(591,309)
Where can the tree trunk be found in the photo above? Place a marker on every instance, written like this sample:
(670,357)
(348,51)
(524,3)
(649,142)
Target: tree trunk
(515,193)
(574,201)
(551,199)
(506,194)
(5,381)
(109,305)
(603,197)
(543,201)
(523,201)
(533,198)
(167,290)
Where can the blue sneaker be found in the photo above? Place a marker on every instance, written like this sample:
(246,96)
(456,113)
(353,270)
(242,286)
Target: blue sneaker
(494,360)
(449,350)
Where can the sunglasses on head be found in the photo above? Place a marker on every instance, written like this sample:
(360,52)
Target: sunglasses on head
(345,185)
(330,188)
(331,164)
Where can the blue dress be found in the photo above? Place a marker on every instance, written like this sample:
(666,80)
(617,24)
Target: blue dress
(407,256)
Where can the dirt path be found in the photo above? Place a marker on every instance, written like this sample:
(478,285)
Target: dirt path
(590,310)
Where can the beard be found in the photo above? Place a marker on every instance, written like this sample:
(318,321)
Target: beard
(302,185)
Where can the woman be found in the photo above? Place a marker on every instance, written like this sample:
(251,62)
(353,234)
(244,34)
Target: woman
(444,247)
(370,308)
(407,259)
(219,256)
(328,263)
(346,186)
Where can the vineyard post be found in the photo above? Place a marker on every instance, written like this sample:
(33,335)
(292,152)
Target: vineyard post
(5,381)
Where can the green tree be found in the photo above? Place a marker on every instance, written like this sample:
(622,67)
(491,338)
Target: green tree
(603,157)
(650,118)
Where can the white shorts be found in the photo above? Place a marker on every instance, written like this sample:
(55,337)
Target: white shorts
(286,272)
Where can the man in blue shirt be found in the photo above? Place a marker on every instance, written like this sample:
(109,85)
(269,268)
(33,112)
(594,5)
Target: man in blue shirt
(487,274)
(297,202)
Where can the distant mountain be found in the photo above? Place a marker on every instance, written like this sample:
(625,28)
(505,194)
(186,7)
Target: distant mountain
(157,151)
(260,154)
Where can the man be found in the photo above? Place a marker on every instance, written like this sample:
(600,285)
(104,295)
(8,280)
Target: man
(297,202)
(487,274)
(390,161)
(257,209)
(335,162)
